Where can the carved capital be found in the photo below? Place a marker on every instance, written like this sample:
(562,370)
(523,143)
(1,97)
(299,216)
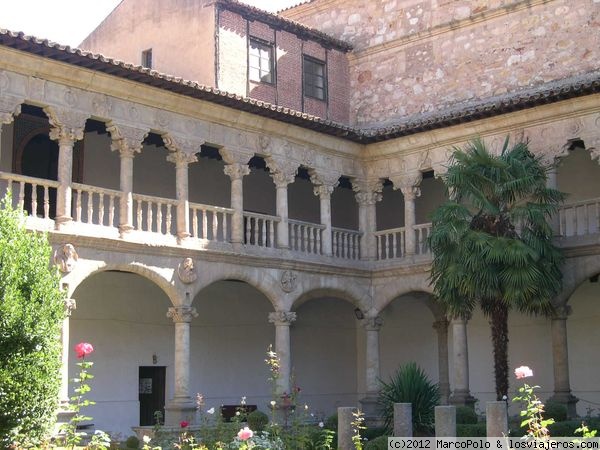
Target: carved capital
(282,172)
(323,191)
(126,140)
(9,108)
(372,323)
(410,192)
(181,158)
(282,318)
(66,136)
(234,156)
(407,181)
(179,144)
(236,171)
(562,312)
(181,314)
(367,192)
(323,178)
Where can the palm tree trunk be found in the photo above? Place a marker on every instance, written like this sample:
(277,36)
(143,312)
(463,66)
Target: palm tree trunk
(499,326)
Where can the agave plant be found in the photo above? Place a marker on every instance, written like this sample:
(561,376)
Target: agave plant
(410,384)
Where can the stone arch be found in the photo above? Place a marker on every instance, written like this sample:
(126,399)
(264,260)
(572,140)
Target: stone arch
(81,273)
(576,272)
(354,298)
(262,282)
(421,285)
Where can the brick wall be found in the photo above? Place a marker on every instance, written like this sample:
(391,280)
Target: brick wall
(287,91)
(417,56)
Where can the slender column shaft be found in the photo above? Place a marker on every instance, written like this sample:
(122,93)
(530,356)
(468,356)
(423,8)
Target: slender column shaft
(237,172)
(282,321)
(283,236)
(461,355)
(65,171)
(441,328)
(182,316)
(410,193)
(182,160)
(372,327)
(324,193)
(560,354)
(126,184)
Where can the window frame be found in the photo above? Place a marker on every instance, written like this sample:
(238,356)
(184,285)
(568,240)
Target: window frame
(147,57)
(306,87)
(269,47)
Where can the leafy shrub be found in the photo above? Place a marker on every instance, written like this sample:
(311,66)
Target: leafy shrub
(31,313)
(373,432)
(465,415)
(471,429)
(331,423)
(132,442)
(410,384)
(257,420)
(556,411)
(379,443)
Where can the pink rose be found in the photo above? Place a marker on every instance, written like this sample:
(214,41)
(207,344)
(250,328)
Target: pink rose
(245,434)
(83,349)
(183,424)
(523,372)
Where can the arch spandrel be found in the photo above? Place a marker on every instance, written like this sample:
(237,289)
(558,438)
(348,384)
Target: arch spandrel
(576,271)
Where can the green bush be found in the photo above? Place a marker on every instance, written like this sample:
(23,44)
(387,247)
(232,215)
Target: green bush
(257,420)
(555,410)
(465,415)
(31,314)
(471,429)
(373,432)
(410,384)
(132,442)
(379,443)
(331,422)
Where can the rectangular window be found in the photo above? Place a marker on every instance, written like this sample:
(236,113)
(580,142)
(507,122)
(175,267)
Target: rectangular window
(147,58)
(315,78)
(260,61)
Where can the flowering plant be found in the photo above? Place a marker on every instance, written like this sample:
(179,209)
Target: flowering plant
(537,426)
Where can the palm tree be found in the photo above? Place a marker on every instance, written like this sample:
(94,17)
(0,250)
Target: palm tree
(492,243)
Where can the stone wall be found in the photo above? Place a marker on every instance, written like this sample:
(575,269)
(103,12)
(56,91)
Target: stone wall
(415,56)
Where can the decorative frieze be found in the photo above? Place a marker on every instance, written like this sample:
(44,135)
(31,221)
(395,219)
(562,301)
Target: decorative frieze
(182,314)
(282,318)
(288,281)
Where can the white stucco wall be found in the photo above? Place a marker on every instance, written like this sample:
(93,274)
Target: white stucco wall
(124,317)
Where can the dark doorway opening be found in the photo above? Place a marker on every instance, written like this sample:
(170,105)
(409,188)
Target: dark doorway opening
(151,394)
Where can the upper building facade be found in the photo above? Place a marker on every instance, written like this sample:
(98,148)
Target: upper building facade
(195,226)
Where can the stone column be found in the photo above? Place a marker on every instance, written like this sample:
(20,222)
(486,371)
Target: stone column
(181,160)
(560,359)
(403,426)
(236,172)
(461,394)
(552,183)
(282,179)
(127,141)
(445,421)
(282,321)
(367,195)
(324,192)
(369,403)
(441,329)
(66,138)
(410,193)
(344,427)
(496,414)
(182,407)
(64,413)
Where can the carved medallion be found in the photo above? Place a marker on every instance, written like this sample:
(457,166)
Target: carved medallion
(65,258)
(187,271)
(288,281)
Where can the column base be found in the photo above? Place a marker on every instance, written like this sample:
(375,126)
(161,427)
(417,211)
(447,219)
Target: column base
(444,394)
(462,398)
(567,399)
(180,410)
(62,222)
(371,409)
(182,238)
(124,229)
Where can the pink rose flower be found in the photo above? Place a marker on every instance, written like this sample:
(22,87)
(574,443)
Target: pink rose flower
(183,424)
(523,372)
(245,434)
(83,349)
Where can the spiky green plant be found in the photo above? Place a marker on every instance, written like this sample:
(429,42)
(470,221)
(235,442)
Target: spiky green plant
(409,384)
(492,243)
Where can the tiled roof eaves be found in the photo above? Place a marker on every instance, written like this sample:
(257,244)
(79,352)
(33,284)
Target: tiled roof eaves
(283,23)
(529,97)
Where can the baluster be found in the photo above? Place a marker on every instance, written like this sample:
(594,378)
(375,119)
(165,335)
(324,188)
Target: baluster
(271,233)
(101,215)
(586,220)
(215,225)
(149,216)
(169,218)
(394,245)
(576,221)
(597,217)
(139,214)
(378,242)
(205,223)
(21,195)
(159,223)
(46,203)
(111,210)
(562,222)
(402,243)
(78,205)
(248,225)
(265,224)
(342,245)
(34,201)
(194,222)
(223,226)
(256,230)
(294,236)
(90,207)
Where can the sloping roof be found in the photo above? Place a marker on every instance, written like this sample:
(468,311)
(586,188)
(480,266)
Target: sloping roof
(529,97)
(282,23)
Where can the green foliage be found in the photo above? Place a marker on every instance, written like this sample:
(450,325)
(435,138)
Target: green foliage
(410,384)
(321,439)
(379,443)
(471,429)
(492,243)
(132,442)
(373,432)
(555,410)
(31,313)
(331,423)
(465,415)
(257,420)
(569,428)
